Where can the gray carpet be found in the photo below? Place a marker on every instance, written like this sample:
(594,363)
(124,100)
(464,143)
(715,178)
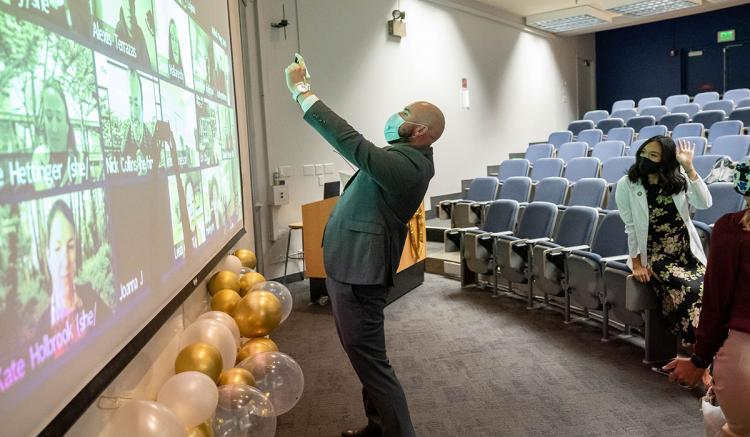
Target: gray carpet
(472,365)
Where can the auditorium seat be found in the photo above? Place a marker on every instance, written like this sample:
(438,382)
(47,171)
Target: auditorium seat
(608,149)
(517,188)
(633,150)
(624,114)
(741,114)
(744,103)
(481,189)
(725,201)
(624,134)
(575,149)
(553,190)
(670,121)
(736,147)
(724,128)
(545,259)
(688,108)
(611,200)
(596,116)
(708,118)
(559,137)
(586,192)
(623,104)
(648,102)
(584,268)
(722,105)
(615,168)
(512,167)
(641,121)
(535,152)
(578,125)
(579,168)
(547,167)
(652,131)
(656,111)
(702,98)
(704,164)
(700,144)
(736,95)
(609,123)
(678,99)
(687,130)
(590,137)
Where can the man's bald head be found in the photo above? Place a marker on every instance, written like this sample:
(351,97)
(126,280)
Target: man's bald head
(426,122)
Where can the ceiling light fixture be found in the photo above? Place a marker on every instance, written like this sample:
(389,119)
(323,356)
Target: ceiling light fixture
(643,8)
(565,20)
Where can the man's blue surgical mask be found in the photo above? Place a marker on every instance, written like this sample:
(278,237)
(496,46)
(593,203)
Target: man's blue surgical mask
(392,125)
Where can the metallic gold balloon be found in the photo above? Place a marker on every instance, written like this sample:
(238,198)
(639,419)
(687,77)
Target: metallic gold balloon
(225,300)
(248,280)
(257,314)
(237,376)
(202,430)
(201,357)
(223,279)
(256,346)
(247,257)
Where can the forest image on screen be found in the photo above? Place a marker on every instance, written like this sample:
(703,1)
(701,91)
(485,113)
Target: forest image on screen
(119,179)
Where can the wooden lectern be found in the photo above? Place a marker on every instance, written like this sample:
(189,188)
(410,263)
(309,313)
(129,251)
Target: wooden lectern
(410,272)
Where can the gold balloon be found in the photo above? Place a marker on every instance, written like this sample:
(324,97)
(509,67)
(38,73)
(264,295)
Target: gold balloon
(247,258)
(237,376)
(223,279)
(201,357)
(257,314)
(202,430)
(225,300)
(248,280)
(256,346)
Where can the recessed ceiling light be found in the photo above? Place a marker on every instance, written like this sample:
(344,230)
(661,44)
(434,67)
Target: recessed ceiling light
(566,20)
(642,8)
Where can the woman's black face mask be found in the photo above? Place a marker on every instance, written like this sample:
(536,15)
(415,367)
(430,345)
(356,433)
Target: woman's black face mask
(647,166)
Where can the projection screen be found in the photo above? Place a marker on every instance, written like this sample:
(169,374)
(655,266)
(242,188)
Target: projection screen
(119,181)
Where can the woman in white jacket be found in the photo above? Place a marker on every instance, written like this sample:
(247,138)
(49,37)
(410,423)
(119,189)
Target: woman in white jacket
(654,200)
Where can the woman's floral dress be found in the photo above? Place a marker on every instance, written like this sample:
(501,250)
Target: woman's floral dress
(678,275)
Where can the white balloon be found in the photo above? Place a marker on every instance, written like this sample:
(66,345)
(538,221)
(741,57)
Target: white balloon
(280,291)
(278,377)
(232,263)
(214,333)
(226,320)
(243,411)
(192,396)
(145,419)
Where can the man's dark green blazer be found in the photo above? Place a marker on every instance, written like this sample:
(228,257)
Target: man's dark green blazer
(367,230)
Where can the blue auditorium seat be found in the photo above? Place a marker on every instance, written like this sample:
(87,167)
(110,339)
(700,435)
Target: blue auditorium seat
(596,116)
(724,128)
(687,130)
(547,167)
(608,149)
(579,168)
(624,114)
(577,126)
(609,123)
(552,190)
(615,168)
(623,104)
(678,99)
(688,108)
(648,102)
(641,121)
(652,131)
(736,147)
(517,188)
(575,149)
(590,136)
(535,152)
(702,98)
(736,95)
(559,137)
(670,121)
(624,134)
(722,105)
(656,111)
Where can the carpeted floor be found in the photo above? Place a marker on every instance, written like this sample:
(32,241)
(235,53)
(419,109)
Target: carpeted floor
(472,365)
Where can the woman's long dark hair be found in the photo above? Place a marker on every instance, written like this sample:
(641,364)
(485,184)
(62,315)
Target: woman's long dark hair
(671,179)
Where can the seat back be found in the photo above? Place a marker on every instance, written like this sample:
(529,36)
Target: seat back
(723,105)
(638,123)
(609,123)
(559,137)
(708,118)
(670,121)
(575,149)
(579,125)
(590,136)
(512,167)
(736,94)
(588,192)
(624,134)
(678,99)
(500,216)
(538,220)
(552,190)
(704,164)
(741,114)
(579,168)
(538,151)
(483,189)
(700,144)
(736,147)
(624,114)
(744,103)
(608,149)
(547,167)
(517,188)
(656,111)
(652,131)
(611,198)
(623,104)
(633,150)
(725,201)
(610,238)
(596,116)
(687,130)
(648,102)
(615,168)
(724,128)
(688,108)
(702,98)
(577,226)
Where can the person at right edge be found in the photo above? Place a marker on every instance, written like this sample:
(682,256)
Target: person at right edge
(365,236)
(723,336)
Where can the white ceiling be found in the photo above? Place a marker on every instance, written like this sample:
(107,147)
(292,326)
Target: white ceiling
(523,8)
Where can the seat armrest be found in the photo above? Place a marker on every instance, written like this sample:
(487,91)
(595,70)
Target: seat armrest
(639,296)
(499,234)
(616,258)
(582,247)
(472,228)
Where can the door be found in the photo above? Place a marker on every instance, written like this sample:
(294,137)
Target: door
(737,65)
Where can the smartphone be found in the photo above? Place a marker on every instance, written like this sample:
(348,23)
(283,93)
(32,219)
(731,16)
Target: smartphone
(298,59)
